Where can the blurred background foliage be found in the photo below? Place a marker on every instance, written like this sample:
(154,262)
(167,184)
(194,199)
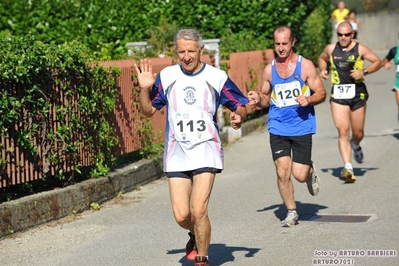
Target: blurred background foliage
(105,27)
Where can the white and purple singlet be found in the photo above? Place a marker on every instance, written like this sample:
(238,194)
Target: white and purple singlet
(192,139)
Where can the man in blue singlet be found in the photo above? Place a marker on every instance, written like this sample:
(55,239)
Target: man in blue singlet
(291,86)
(192,92)
(349,93)
(386,62)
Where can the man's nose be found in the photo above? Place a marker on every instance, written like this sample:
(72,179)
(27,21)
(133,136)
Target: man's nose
(186,55)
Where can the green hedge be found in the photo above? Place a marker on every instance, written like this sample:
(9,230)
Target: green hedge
(54,104)
(106,26)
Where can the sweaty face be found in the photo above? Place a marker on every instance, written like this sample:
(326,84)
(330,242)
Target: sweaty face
(282,43)
(189,55)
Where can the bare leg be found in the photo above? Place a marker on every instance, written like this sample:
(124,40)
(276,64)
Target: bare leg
(397,100)
(202,187)
(301,172)
(284,182)
(180,193)
(357,119)
(341,116)
(397,97)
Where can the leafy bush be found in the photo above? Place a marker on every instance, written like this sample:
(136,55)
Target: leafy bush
(314,33)
(56,104)
(106,26)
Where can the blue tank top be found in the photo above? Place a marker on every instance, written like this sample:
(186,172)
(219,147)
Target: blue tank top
(286,116)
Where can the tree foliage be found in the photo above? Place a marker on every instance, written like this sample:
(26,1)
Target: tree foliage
(106,26)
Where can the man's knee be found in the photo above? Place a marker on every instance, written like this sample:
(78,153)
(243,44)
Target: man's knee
(358,133)
(343,131)
(284,175)
(302,175)
(183,220)
(302,178)
(199,211)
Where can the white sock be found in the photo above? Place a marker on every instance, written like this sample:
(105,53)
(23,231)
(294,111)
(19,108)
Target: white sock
(348,166)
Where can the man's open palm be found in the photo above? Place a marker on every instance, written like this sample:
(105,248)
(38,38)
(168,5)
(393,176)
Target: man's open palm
(144,74)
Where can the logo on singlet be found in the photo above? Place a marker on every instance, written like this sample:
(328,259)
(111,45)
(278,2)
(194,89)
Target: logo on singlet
(351,58)
(190,95)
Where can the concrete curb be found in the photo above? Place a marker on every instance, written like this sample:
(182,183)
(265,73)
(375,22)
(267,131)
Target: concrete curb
(33,210)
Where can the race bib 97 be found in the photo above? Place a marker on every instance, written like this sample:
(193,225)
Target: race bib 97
(344,91)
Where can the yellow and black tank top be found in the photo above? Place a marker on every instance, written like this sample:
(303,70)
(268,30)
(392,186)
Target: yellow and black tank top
(342,62)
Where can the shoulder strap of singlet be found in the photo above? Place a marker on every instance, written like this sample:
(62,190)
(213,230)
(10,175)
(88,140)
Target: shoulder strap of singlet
(356,46)
(298,68)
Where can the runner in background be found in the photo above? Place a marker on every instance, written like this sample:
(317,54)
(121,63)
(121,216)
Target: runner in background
(354,21)
(339,14)
(386,63)
(291,86)
(349,93)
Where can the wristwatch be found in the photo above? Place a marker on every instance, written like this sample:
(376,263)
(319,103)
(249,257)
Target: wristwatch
(365,72)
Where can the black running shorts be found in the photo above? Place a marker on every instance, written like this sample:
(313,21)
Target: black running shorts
(191,173)
(300,147)
(358,101)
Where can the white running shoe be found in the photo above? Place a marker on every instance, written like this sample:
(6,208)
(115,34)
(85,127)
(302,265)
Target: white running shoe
(313,183)
(291,220)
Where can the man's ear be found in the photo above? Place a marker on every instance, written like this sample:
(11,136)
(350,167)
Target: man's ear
(293,41)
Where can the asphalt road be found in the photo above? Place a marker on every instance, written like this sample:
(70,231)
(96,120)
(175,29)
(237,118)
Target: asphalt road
(345,224)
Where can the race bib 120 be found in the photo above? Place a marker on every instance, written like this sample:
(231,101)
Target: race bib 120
(285,94)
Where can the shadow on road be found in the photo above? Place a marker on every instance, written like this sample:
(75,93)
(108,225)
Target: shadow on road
(305,210)
(358,171)
(218,254)
(396,135)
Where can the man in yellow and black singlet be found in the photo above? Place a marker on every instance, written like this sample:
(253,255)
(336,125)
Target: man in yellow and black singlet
(349,93)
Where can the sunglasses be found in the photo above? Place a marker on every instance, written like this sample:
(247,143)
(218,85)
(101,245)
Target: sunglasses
(342,34)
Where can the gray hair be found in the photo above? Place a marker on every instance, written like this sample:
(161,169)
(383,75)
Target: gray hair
(190,35)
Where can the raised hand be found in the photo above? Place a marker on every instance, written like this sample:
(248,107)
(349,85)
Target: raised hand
(144,74)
